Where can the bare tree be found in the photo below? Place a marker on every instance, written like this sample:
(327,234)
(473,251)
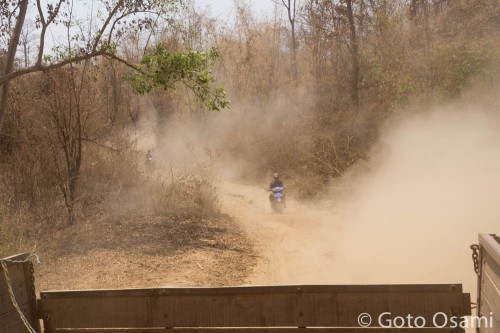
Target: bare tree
(26,41)
(12,48)
(68,106)
(291,8)
(354,53)
(100,38)
(419,16)
(331,29)
(275,47)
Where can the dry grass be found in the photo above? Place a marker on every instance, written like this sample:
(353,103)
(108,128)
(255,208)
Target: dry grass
(146,251)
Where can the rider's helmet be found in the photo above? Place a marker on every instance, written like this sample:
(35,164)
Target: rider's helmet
(276,175)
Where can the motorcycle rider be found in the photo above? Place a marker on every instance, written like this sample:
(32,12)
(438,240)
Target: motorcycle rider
(276,183)
(149,160)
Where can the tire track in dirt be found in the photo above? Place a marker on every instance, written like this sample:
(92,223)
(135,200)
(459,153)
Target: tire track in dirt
(354,243)
(296,247)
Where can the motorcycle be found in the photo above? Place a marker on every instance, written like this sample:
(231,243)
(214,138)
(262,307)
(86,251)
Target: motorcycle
(149,162)
(277,199)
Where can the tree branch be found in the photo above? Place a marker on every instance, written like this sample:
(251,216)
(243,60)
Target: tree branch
(108,55)
(119,5)
(45,24)
(38,68)
(11,54)
(94,141)
(110,37)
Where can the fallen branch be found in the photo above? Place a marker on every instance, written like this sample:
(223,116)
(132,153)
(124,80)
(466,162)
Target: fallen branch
(199,265)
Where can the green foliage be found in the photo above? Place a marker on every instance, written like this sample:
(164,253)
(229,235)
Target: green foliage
(386,61)
(386,78)
(165,69)
(456,62)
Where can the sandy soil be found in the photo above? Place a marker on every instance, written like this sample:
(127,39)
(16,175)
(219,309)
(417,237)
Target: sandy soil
(142,251)
(354,240)
(247,246)
(354,243)
(295,247)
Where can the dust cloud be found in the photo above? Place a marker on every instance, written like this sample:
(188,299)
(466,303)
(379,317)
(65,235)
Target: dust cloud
(409,216)
(236,142)
(434,185)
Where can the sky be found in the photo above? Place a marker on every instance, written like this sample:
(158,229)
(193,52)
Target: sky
(224,9)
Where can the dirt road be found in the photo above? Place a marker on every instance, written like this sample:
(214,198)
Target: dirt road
(362,242)
(296,247)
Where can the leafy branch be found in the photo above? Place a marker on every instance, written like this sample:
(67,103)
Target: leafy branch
(165,70)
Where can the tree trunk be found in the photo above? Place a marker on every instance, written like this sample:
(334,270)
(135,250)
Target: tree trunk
(9,61)
(294,51)
(291,7)
(354,54)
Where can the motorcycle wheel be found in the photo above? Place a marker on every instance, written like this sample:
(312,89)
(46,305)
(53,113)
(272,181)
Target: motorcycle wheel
(277,207)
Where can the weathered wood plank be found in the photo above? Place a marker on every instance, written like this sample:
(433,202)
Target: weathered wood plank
(11,322)
(492,269)
(272,330)
(485,312)
(17,278)
(18,282)
(491,246)
(253,290)
(13,269)
(347,306)
(17,257)
(490,294)
(298,306)
(490,281)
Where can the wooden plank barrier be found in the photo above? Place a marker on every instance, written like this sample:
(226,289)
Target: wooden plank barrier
(20,279)
(489,284)
(284,309)
(269,330)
